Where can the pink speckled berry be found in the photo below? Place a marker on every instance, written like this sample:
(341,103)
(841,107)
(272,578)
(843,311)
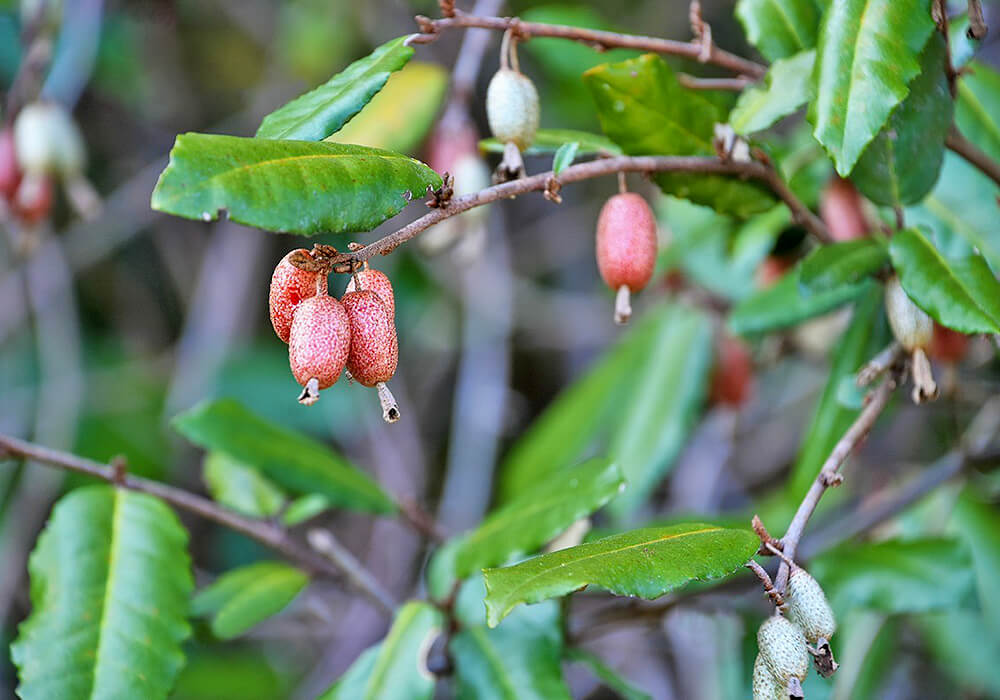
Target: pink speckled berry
(626,242)
(377,282)
(290,286)
(319,342)
(374,348)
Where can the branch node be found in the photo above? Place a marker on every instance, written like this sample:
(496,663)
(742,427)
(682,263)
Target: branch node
(769,588)
(551,192)
(441,197)
(831,479)
(426,25)
(447,8)
(119,470)
(766,540)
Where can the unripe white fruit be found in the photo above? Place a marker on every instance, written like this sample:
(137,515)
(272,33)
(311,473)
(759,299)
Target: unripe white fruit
(765,685)
(912,327)
(782,646)
(48,141)
(808,607)
(512,108)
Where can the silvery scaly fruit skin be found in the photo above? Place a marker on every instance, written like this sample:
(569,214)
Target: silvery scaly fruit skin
(765,685)
(782,646)
(512,108)
(808,607)
(290,286)
(626,242)
(320,341)
(48,141)
(377,282)
(912,327)
(374,347)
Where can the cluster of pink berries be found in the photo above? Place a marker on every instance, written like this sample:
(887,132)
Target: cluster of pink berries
(326,336)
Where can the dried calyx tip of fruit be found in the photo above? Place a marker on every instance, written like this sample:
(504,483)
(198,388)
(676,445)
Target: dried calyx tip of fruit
(390,409)
(914,330)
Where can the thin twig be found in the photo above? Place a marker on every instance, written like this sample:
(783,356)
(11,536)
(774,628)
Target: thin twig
(693,82)
(326,544)
(600,40)
(264,532)
(972,153)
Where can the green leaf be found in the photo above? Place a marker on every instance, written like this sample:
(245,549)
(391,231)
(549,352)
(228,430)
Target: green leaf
(645,563)
(396,668)
(670,385)
(399,117)
(867,55)
(110,580)
(320,112)
(305,508)
(787,87)
(538,515)
(779,28)
(564,156)
(645,110)
(902,164)
(241,598)
(960,294)
(548,141)
(783,304)
(290,459)
(239,487)
(979,526)
(288,186)
(964,649)
(839,264)
(897,576)
(977,113)
(607,675)
(962,47)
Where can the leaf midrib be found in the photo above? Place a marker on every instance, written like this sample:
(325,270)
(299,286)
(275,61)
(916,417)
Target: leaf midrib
(780,8)
(113,554)
(481,639)
(979,110)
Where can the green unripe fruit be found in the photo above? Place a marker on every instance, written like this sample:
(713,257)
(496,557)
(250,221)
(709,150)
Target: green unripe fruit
(808,607)
(512,108)
(782,646)
(912,327)
(765,685)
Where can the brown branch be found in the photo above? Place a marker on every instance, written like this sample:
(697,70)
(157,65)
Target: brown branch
(601,40)
(973,154)
(266,533)
(598,168)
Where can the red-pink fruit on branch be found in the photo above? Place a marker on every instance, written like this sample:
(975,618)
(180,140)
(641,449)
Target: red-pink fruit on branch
(318,345)
(626,248)
(374,347)
(375,281)
(290,286)
(843,211)
(732,376)
(10,172)
(33,199)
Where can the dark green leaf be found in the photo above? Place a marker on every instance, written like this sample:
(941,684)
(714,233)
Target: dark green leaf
(110,580)
(290,186)
(564,156)
(964,649)
(290,459)
(779,28)
(847,263)
(239,487)
(960,294)
(645,563)
(645,110)
(897,576)
(320,112)
(788,84)
(241,598)
(979,525)
(903,162)
(961,45)
(867,55)
(978,110)
(396,668)
(548,141)
(608,676)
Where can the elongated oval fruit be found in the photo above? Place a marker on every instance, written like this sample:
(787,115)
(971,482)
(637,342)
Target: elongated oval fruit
(626,248)
(512,108)
(765,685)
(48,141)
(375,281)
(782,646)
(843,211)
(808,607)
(948,345)
(318,345)
(912,327)
(374,347)
(732,376)
(290,286)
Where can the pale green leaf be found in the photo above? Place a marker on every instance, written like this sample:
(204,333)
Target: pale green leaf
(978,110)
(564,156)
(244,597)
(548,141)
(239,487)
(787,87)
(978,524)
(606,674)
(964,649)
(305,508)
(779,28)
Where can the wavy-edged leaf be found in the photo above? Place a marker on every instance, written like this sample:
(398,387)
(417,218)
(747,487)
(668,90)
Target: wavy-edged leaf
(645,563)
(320,112)
(787,87)
(645,110)
(548,141)
(978,110)
(110,580)
(400,115)
(290,459)
(244,597)
(779,28)
(564,156)
(867,55)
(289,186)
(960,294)
(606,674)
(396,668)
(903,162)
(839,264)
(239,487)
